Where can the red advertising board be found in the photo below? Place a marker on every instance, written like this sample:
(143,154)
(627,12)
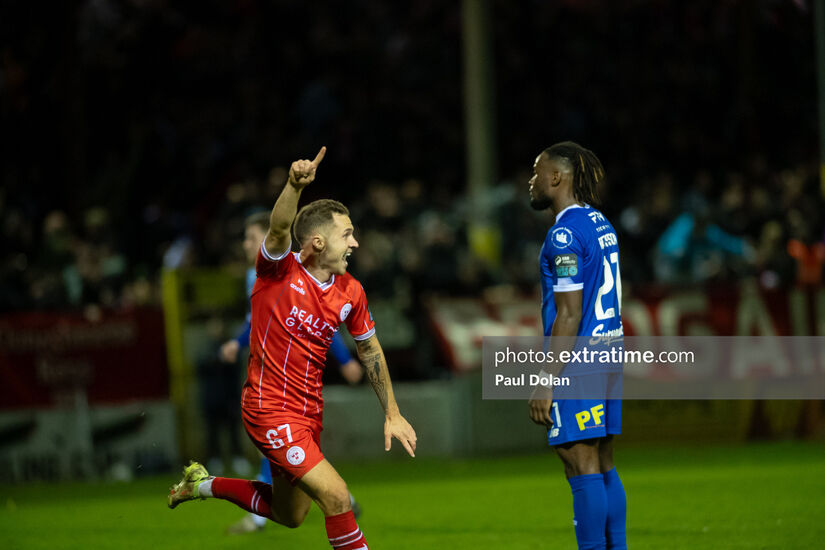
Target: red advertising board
(46,357)
(741,309)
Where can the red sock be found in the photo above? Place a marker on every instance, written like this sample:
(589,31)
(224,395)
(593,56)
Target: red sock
(252,496)
(344,533)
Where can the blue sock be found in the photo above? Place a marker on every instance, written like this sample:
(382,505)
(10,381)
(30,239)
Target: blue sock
(265,475)
(616,511)
(589,510)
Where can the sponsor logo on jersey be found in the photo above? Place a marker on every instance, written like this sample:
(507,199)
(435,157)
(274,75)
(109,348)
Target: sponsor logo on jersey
(297,289)
(567,265)
(601,336)
(312,324)
(345,311)
(295,455)
(608,239)
(562,237)
(596,217)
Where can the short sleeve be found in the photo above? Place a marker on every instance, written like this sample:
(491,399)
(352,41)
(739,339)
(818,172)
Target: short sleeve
(566,255)
(272,267)
(359,319)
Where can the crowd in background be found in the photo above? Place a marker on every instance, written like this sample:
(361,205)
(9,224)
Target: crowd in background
(140,134)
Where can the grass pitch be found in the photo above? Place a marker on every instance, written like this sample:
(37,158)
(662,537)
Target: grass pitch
(755,496)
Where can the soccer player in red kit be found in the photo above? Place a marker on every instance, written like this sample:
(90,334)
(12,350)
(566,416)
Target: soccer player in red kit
(298,302)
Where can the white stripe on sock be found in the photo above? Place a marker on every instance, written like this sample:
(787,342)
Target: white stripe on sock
(348,542)
(348,535)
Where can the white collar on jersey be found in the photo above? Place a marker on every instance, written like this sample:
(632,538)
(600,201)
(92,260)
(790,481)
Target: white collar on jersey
(572,206)
(323,286)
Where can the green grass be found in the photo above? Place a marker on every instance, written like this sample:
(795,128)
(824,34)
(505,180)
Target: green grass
(756,496)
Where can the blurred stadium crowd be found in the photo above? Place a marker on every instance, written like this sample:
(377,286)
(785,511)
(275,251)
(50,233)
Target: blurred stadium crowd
(140,134)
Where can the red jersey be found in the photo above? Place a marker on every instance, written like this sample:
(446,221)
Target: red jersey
(294,316)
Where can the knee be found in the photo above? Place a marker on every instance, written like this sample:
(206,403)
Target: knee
(293,518)
(581,464)
(335,500)
(293,521)
(573,470)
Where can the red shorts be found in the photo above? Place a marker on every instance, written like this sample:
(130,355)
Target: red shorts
(292,443)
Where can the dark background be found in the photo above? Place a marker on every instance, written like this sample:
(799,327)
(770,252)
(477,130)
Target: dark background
(131,130)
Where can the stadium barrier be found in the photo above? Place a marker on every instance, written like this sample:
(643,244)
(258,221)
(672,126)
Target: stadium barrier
(452,420)
(741,309)
(84,396)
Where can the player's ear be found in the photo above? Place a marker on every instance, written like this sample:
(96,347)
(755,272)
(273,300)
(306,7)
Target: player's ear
(318,242)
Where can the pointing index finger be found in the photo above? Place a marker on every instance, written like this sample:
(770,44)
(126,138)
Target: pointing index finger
(320,156)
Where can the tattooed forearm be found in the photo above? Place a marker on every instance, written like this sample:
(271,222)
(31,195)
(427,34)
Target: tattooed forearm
(374,372)
(372,357)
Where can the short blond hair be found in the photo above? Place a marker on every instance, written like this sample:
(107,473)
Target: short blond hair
(314,215)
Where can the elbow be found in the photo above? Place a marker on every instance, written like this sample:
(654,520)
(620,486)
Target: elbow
(279,229)
(367,345)
(367,349)
(362,350)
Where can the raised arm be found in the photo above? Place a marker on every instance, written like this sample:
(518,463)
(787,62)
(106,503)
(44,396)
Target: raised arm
(395,425)
(301,174)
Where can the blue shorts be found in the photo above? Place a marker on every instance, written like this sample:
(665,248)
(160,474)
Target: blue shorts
(577,419)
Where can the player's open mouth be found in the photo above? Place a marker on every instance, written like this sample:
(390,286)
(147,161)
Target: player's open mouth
(346,257)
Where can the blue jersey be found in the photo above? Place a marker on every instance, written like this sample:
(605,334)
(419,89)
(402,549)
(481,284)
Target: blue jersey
(581,252)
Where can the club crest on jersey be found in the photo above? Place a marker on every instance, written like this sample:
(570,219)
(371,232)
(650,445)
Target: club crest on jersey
(345,311)
(562,237)
(295,455)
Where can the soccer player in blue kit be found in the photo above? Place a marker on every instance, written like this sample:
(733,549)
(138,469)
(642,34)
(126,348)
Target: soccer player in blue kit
(581,296)
(255,229)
